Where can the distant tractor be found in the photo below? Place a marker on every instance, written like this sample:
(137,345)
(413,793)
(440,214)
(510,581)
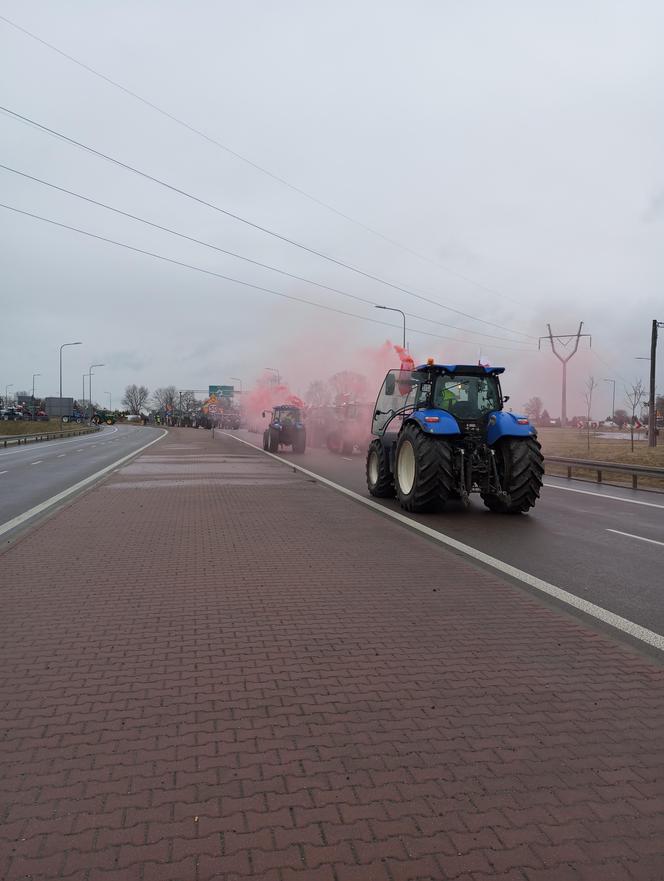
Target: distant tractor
(440,433)
(286,429)
(103,416)
(350,427)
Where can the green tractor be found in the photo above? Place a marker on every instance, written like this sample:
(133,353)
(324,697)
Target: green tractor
(103,416)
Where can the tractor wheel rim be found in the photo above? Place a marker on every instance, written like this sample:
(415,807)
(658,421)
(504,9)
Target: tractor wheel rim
(373,468)
(406,467)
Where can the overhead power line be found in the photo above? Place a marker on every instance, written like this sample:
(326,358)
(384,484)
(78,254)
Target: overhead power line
(253,164)
(250,260)
(240,219)
(219,275)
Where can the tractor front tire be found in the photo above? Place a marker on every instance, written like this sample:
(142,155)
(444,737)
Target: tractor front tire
(520,467)
(265,440)
(423,471)
(273,441)
(380,480)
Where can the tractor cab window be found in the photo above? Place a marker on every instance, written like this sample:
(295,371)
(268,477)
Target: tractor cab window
(400,389)
(466,397)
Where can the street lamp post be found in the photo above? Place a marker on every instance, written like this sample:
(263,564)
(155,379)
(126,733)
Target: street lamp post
(392,309)
(110,400)
(34,409)
(274,370)
(64,345)
(237,379)
(613,410)
(90,375)
(7,387)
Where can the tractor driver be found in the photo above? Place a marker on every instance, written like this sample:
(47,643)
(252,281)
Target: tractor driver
(447,396)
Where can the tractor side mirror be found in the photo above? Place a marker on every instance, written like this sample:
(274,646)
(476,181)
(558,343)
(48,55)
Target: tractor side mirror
(263,414)
(390,384)
(506,398)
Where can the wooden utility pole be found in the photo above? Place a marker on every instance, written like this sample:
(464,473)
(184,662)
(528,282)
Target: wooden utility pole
(652,401)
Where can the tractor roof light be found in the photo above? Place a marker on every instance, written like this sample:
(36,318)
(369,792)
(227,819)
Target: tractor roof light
(522,421)
(432,418)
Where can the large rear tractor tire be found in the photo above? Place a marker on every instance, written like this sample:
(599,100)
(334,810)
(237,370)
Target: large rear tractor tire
(300,442)
(424,472)
(333,442)
(520,467)
(380,480)
(273,441)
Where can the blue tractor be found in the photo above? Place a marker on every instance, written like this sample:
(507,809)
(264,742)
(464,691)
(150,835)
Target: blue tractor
(286,428)
(440,432)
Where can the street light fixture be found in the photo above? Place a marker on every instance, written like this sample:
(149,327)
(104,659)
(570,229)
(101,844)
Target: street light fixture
(274,370)
(237,379)
(613,411)
(64,345)
(90,374)
(392,309)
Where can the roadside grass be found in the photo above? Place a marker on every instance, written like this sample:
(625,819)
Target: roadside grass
(572,443)
(14,428)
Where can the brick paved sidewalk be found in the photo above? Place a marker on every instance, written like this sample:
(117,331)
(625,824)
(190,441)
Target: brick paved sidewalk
(231,672)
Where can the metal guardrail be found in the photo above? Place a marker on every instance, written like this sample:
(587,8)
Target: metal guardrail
(44,435)
(636,471)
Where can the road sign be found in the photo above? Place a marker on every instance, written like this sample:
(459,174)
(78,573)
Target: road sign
(222,391)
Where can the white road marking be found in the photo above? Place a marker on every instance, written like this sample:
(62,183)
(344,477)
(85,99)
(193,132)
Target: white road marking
(60,455)
(78,449)
(22,448)
(587,492)
(44,506)
(3,472)
(640,537)
(38,462)
(347,458)
(623,624)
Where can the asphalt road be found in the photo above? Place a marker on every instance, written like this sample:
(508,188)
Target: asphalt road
(572,539)
(31,474)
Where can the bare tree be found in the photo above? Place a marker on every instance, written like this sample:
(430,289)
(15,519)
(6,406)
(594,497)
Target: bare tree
(187,401)
(634,395)
(347,383)
(318,394)
(135,398)
(591,385)
(533,409)
(166,398)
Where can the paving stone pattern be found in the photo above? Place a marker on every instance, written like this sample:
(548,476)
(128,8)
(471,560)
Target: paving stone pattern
(216,668)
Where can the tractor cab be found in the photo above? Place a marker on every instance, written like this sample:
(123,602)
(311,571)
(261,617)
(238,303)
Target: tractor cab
(467,393)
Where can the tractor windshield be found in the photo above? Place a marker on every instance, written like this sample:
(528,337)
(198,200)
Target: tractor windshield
(290,415)
(400,389)
(466,397)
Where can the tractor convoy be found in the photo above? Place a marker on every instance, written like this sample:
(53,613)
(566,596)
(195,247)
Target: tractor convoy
(438,432)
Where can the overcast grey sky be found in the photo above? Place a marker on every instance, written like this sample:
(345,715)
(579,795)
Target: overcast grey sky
(516,146)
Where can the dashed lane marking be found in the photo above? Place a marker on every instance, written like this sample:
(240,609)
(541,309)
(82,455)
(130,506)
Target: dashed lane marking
(564,596)
(588,492)
(38,462)
(44,506)
(3,472)
(639,537)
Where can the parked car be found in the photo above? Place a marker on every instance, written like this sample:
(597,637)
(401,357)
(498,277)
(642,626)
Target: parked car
(11,414)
